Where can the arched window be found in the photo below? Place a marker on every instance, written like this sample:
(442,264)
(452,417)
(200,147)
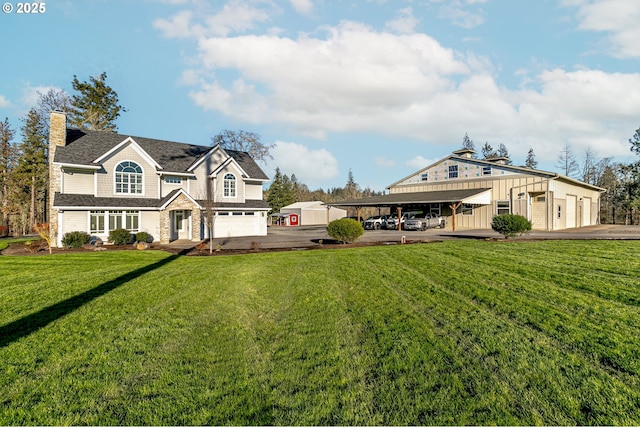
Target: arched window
(229,185)
(128,178)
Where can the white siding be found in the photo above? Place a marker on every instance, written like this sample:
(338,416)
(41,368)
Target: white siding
(106,179)
(77,181)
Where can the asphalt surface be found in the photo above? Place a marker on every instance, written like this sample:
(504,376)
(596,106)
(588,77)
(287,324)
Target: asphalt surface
(309,236)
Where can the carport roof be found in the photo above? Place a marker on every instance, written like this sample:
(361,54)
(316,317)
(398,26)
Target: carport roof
(448,196)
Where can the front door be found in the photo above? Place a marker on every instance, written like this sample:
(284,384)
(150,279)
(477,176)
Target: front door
(180,225)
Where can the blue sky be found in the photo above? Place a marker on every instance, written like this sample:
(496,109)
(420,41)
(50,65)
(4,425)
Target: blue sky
(381,88)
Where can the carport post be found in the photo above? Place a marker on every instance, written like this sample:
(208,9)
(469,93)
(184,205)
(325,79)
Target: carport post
(399,218)
(358,209)
(454,207)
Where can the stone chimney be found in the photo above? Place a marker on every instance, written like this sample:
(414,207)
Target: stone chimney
(57,128)
(57,138)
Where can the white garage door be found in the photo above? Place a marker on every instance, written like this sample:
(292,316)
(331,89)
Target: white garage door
(586,211)
(571,211)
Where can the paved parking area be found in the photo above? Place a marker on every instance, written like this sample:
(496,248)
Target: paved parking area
(303,237)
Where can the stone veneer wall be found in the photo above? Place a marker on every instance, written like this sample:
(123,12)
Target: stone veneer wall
(180,203)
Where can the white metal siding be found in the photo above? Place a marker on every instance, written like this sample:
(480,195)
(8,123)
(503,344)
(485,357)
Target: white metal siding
(586,211)
(571,212)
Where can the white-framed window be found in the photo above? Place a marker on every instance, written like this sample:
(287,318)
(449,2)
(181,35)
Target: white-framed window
(128,178)
(129,220)
(503,207)
(435,209)
(132,220)
(229,185)
(486,170)
(115,220)
(237,214)
(424,177)
(173,180)
(453,171)
(223,213)
(467,209)
(96,222)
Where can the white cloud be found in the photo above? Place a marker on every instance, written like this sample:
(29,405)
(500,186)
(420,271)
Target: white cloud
(419,162)
(311,167)
(234,17)
(461,14)
(384,162)
(354,79)
(618,18)
(351,78)
(4,102)
(304,7)
(405,23)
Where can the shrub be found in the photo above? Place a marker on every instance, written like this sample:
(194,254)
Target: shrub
(510,225)
(120,236)
(75,239)
(345,230)
(143,236)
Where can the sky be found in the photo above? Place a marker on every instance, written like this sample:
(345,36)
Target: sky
(381,88)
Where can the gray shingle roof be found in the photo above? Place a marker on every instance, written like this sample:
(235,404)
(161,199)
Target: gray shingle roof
(83,147)
(90,202)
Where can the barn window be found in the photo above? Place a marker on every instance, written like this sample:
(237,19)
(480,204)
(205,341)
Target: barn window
(503,207)
(467,209)
(453,171)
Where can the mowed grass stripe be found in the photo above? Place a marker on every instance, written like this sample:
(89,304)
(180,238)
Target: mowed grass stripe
(385,335)
(459,317)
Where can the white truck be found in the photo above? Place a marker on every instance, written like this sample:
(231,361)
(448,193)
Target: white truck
(423,221)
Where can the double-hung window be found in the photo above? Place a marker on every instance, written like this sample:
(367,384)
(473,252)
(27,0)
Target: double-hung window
(96,222)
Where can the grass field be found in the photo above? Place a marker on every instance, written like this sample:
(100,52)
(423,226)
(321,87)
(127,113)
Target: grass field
(461,332)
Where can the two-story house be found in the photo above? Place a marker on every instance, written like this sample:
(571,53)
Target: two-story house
(469,192)
(101,181)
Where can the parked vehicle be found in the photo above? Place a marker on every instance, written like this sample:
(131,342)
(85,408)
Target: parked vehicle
(375,222)
(392,221)
(422,222)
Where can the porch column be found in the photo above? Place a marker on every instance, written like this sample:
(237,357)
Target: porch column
(165,227)
(454,207)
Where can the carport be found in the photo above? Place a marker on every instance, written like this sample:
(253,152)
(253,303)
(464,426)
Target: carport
(452,199)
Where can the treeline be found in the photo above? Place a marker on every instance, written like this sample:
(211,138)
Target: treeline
(620,204)
(285,190)
(24,151)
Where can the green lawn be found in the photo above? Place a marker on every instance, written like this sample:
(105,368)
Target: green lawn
(460,332)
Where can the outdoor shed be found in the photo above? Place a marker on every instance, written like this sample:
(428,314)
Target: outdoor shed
(314,213)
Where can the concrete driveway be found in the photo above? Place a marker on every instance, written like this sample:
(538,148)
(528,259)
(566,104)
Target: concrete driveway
(306,236)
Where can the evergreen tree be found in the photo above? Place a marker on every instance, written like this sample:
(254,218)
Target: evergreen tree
(467,144)
(635,142)
(487,151)
(7,166)
(351,188)
(503,152)
(96,106)
(32,169)
(531,160)
(280,193)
